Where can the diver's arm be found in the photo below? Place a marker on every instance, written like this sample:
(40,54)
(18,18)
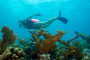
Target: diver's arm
(33,16)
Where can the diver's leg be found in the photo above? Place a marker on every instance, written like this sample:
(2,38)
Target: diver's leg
(47,23)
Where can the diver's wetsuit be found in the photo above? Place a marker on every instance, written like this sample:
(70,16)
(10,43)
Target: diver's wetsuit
(30,24)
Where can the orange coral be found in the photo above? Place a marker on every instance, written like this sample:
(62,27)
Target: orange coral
(68,42)
(49,41)
(66,49)
(36,34)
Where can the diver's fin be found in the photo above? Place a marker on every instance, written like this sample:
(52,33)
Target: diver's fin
(62,19)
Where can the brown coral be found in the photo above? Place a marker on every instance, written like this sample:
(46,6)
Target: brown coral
(13,53)
(46,45)
(8,38)
(49,42)
(70,51)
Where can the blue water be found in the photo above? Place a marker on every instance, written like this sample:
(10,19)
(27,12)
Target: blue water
(76,11)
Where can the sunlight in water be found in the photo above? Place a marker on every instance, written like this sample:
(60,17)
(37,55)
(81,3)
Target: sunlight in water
(41,1)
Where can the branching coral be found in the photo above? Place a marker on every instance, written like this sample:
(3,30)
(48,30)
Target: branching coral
(47,45)
(35,35)
(68,42)
(8,38)
(84,37)
(49,40)
(70,51)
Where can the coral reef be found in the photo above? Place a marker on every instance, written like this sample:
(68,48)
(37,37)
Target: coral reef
(49,40)
(45,57)
(70,50)
(86,54)
(13,53)
(48,46)
(85,58)
(41,46)
(84,37)
(8,38)
(33,54)
(0,57)
(28,47)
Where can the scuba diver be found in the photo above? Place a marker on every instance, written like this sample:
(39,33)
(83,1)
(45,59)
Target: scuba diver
(30,23)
